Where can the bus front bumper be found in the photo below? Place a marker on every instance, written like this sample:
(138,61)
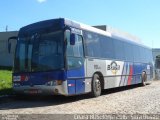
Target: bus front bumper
(41,90)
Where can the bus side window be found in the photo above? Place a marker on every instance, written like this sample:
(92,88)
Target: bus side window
(74,52)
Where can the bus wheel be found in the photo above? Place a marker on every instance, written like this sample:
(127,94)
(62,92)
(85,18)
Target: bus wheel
(96,86)
(144,78)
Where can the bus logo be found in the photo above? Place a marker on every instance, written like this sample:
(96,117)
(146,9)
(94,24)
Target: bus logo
(114,67)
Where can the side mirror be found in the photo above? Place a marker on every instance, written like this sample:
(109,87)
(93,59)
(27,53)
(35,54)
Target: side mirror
(9,43)
(72,39)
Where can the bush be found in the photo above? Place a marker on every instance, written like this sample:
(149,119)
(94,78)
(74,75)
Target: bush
(5,81)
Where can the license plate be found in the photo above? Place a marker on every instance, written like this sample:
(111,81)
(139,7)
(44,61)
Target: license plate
(33,91)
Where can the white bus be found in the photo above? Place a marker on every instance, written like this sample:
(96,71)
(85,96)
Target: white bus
(64,57)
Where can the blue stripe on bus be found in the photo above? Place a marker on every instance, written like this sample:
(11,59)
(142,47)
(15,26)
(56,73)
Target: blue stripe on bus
(138,69)
(79,85)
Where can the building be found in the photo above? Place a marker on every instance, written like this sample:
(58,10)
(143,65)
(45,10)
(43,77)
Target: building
(6,59)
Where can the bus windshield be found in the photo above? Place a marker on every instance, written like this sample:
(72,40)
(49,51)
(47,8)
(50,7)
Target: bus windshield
(43,52)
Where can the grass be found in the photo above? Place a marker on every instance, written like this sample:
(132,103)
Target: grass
(5,81)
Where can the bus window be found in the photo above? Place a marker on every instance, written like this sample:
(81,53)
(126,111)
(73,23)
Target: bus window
(48,52)
(74,52)
(22,56)
(128,51)
(92,44)
(119,49)
(107,47)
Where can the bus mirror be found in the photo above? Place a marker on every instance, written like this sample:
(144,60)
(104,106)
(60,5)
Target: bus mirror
(72,39)
(9,43)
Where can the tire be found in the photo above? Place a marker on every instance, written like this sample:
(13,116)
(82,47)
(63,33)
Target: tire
(144,79)
(96,86)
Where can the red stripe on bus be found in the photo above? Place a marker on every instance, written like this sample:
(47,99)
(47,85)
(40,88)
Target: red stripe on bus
(130,75)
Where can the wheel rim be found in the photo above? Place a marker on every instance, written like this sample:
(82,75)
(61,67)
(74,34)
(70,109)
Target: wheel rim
(97,85)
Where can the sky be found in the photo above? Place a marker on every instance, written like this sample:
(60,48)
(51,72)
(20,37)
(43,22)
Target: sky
(140,18)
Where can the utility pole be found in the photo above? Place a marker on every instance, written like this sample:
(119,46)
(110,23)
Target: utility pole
(6,28)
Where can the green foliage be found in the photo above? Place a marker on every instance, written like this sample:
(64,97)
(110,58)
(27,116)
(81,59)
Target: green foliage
(5,81)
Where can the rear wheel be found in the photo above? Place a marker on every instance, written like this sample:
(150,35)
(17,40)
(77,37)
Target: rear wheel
(96,86)
(144,78)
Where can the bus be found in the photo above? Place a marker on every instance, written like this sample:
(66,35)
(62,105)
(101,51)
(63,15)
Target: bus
(65,57)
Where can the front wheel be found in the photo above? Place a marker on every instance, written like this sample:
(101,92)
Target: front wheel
(96,86)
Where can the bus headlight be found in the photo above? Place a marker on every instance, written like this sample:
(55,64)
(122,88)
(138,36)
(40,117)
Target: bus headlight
(59,82)
(50,83)
(54,83)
